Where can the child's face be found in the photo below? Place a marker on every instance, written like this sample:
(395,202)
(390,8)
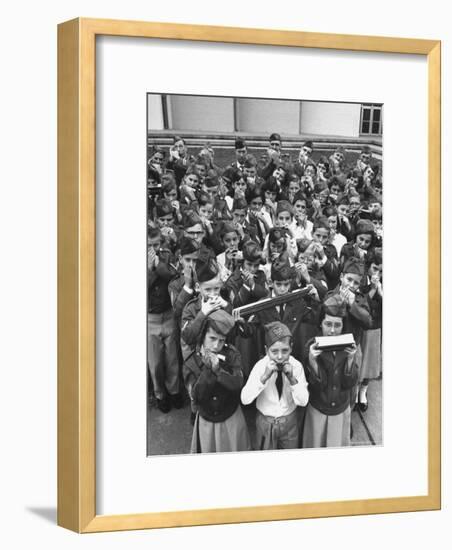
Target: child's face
(363,241)
(332,222)
(378,227)
(201,169)
(350,281)
(281,288)
(165,221)
(154,243)
(279,174)
(240,186)
(354,204)
(206,211)
(320,236)
(238,216)
(252,267)
(188,261)
(331,325)
(375,270)
(280,351)
(309,171)
(307,258)
(342,210)
(171,195)
(323,195)
(192,180)
(294,187)
(270,195)
(368,174)
(256,204)
(157,160)
(352,181)
(300,209)
(240,155)
(196,232)
(283,219)
(305,153)
(250,171)
(210,289)
(338,157)
(213,341)
(375,207)
(335,190)
(277,247)
(179,146)
(231,241)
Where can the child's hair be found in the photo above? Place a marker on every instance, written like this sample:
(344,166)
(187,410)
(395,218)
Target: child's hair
(204,199)
(293,177)
(250,161)
(154,232)
(277,233)
(192,170)
(253,193)
(168,177)
(168,187)
(334,180)
(329,211)
(270,185)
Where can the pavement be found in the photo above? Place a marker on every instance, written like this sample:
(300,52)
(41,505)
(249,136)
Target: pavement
(170,434)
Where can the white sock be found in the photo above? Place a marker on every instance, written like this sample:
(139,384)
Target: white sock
(363,394)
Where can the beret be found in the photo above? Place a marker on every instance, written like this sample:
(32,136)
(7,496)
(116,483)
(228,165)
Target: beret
(221,321)
(163,208)
(251,251)
(276,331)
(284,206)
(281,271)
(335,306)
(240,143)
(189,246)
(354,265)
(206,271)
(364,226)
(275,137)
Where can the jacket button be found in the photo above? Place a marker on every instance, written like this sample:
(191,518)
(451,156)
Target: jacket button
(214,397)
(333,403)
(334,387)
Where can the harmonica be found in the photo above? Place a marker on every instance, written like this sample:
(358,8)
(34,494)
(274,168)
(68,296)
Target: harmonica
(267,303)
(334,343)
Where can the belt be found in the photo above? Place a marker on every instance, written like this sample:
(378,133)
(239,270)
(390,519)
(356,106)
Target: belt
(278,419)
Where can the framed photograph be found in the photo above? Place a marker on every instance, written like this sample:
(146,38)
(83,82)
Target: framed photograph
(225,353)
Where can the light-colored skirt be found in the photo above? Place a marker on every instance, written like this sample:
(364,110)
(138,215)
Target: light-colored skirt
(321,430)
(220,437)
(371,346)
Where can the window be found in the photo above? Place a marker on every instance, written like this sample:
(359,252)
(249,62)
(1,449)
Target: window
(371,119)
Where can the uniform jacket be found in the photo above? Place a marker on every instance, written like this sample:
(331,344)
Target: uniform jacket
(329,389)
(358,316)
(216,396)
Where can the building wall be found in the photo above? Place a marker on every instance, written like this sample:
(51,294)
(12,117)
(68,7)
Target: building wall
(212,114)
(263,116)
(323,118)
(155,112)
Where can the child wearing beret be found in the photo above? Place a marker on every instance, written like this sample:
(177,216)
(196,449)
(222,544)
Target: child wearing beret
(163,359)
(331,375)
(325,253)
(209,286)
(278,384)
(363,242)
(247,284)
(213,374)
(371,338)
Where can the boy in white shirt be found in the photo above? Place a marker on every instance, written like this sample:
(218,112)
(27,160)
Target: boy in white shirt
(278,384)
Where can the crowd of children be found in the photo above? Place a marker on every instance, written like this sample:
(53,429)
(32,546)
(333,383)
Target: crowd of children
(220,238)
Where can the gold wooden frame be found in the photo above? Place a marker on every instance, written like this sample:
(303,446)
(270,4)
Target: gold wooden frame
(77,261)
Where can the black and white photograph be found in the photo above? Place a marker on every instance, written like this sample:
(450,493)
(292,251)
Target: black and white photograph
(264,274)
